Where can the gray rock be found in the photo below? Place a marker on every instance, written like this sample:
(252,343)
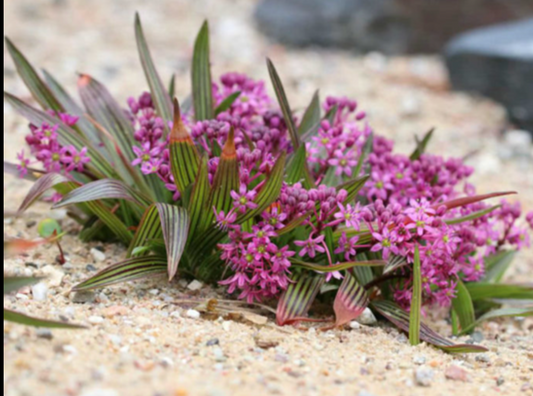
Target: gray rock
(389,26)
(45,334)
(367,318)
(424,376)
(39,292)
(83,297)
(497,62)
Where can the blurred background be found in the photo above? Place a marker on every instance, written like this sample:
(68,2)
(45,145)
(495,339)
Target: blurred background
(411,64)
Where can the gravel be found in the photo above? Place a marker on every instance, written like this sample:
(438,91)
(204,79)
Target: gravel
(424,376)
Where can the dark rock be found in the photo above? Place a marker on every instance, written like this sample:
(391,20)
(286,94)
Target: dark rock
(497,62)
(31,224)
(389,26)
(44,334)
(90,268)
(213,342)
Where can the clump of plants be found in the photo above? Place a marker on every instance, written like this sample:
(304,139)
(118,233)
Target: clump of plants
(233,187)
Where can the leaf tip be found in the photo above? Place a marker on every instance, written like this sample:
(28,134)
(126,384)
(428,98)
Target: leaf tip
(179,132)
(83,80)
(229,150)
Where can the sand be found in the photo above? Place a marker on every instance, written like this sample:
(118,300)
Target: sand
(142,338)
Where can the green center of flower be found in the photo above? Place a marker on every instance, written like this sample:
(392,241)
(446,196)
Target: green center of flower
(420,223)
(347,216)
(343,162)
(77,159)
(56,157)
(244,99)
(325,140)
(446,238)
(243,201)
(379,184)
(477,267)
(249,258)
(386,243)
(146,157)
(399,175)
(261,234)
(261,249)
(273,221)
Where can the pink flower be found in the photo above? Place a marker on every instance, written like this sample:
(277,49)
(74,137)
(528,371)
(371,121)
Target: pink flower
(73,159)
(347,246)
(385,243)
(311,246)
(23,164)
(225,221)
(344,162)
(243,199)
(350,216)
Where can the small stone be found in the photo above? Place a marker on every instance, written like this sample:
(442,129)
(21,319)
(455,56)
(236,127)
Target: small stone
(195,285)
(266,343)
(213,342)
(193,314)
(45,334)
(95,320)
(219,356)
(410,106)
(456,373)
(226,325)
(420,360)
(99,392)
(476,337)
(424,376)
(31,224)
(116,310)
(367,318)
(39,292)
(98,256)
(281,358)
(365,393)
(53,276)
(355,325)
(58,214)
(83,297)
(175,314)
(22,297)
(90,268)
(483,358)
(500,381)
(167,362)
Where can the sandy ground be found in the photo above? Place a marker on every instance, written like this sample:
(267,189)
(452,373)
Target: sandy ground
(140,339)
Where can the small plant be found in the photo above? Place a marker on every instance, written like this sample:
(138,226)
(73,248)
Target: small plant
(275,205)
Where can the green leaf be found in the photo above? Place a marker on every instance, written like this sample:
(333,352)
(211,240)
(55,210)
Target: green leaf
(202,90)
(351,300)
(184,157)
(162,100)
(472,216)
(499,313)
(37,87)
(227,103)
(353,187)
(48,228)
(198,203)
(367,149)
(482,291)
(422,145)
(394,263)
(128,270)
(311,118)
(296,300)
(463,306)
(71,107)
(148,230)
(269,192)
(298,170)
(41,186)
(336,267)
(172,86)
(331,114)
(15,317)
(416,301)
(497,264)
(284,104)
(14,283)
(392,312)
(112,221)
(104,189)
(66,136)
(175,226)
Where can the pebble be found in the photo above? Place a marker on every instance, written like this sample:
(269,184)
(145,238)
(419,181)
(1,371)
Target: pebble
(213,342)
(226,325)
(58,214)
(193,314)
(195,285)
(83,297)
(22,297)
(219,356)
(424,376)
(90,268)
(456,373)
(45,334)
(175,314)
(367,318)
(365,393)
(98,256)
(116,310)
(484,358)
(419,360)
(54,276)
(39,292)
(500,381)
(355,325)
(96,320)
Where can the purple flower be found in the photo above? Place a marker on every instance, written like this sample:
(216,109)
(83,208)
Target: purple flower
(385,243)
(145,154)
(225,221)
(311,246)
(243,199)
(73,159)
(344,162)
(350,216)
(23,164)
(347,246)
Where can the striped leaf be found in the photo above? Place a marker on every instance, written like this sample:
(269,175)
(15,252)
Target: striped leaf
(353,187)
(269,192)
(128,270)
(71,107)
(41,186)
(198,202)
(496,265)
(351,300)
(32,175)
(160,96)
(311,118)
(111,220)
(296,300)
(104,189)
(472,216)
(459,202)
(184,157)
(463,306)
(298,169)
(499,313)
(14,283)
(66,136)
(37,87)
(482,291)
(227,103)
(416,301)
(16,317)
(421,145)
(202,90)
(392,312)
(367,149)
(148,230)
(175,225)
(394,263)
(337,267)
(284,104)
